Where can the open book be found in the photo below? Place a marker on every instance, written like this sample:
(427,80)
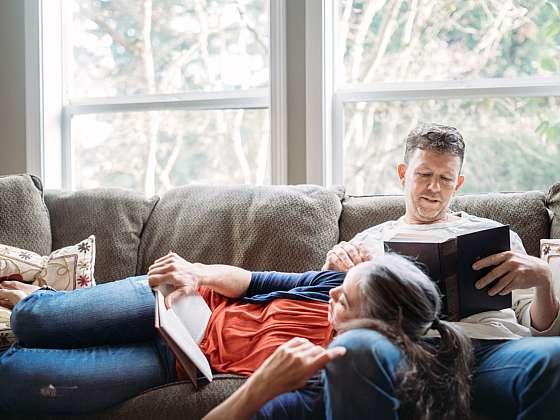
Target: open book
(449,263)
(182,327)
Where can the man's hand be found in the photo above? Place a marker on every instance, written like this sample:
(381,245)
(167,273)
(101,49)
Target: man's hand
(513,271)
(520,271)
(346,255)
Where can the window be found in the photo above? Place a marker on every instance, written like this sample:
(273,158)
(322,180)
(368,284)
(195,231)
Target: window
(488,68)
(153,94)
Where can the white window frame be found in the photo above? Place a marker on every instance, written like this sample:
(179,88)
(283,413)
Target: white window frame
(326,93)
(49,116)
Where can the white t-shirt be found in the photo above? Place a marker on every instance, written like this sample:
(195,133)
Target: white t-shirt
(505,324)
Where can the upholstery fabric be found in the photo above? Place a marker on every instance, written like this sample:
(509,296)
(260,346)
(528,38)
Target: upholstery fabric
(553,203)
(172,401)
(115,216)
(24,219)
(525,212)
(284,228)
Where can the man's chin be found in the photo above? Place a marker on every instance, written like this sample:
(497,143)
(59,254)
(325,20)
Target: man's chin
(429,216)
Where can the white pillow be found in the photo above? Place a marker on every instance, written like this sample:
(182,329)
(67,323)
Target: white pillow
(68,268)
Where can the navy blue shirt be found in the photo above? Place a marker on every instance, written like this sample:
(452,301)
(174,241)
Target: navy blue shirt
(312,285)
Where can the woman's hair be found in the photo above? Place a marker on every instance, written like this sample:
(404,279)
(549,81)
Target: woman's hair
(402,303)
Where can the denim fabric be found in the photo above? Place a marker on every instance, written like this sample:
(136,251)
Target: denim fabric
(84,350)
(512,378)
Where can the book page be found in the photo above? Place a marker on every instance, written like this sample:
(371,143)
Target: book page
(175,329)
(192,311)
(433,236)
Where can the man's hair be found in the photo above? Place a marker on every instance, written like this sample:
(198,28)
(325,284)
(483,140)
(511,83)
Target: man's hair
(437,138)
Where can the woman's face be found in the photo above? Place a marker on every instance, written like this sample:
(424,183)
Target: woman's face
(345,301)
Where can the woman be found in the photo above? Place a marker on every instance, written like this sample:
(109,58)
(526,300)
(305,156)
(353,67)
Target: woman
(391,298)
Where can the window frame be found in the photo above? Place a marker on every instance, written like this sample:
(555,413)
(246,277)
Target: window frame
(49,115)
(325,134)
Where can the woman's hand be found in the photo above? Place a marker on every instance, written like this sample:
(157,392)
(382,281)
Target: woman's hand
(288,368)
(187,277)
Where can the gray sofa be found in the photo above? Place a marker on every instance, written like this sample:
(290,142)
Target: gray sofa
(284,228)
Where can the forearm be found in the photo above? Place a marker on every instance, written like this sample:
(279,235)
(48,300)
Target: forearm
(243,404)
(544,308)
(227,280)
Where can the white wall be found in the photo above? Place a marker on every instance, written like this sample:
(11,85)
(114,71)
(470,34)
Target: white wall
(12,87)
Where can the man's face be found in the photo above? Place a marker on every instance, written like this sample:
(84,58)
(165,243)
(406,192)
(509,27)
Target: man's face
(430,180)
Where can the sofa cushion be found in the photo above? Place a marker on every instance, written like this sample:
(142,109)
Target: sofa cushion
(24,219)
(115,216)
(284,228)
(526,213)
(553,203)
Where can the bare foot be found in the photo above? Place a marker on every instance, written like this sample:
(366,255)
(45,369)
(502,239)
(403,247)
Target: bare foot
(11,292)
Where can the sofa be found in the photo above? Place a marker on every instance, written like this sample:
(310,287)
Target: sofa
(283,228)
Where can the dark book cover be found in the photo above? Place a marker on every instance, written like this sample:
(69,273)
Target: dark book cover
(449,264)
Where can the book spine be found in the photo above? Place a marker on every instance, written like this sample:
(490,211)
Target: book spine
(450,279)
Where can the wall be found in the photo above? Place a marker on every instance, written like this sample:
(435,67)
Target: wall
(12,87)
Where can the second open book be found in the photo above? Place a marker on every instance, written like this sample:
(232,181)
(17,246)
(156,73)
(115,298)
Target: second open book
(449,263)
(182,327)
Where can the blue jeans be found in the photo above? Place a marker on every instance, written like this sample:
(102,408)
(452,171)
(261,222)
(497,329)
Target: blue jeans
(512,378)
(84,350)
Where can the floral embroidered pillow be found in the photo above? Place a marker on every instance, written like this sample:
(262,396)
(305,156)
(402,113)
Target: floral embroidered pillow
(68,268)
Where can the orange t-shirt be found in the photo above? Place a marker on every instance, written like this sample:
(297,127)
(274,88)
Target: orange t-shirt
(240,336)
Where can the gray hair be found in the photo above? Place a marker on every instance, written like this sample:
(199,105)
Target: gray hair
(435,137)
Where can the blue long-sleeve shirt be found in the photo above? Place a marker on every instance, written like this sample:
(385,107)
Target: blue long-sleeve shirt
(312,285)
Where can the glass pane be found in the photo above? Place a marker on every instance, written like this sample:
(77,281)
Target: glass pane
(154,151)
(395,40)
(512,144)
(118,47)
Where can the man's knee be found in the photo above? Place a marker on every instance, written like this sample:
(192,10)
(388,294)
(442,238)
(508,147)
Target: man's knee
(368,353)
(544,363)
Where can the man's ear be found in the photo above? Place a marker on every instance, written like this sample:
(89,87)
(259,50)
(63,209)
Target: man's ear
(460,181)
(401,169)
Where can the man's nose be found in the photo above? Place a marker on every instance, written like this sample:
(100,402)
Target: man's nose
(434,184)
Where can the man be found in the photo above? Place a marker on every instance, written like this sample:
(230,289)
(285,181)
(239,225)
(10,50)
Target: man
(515,375)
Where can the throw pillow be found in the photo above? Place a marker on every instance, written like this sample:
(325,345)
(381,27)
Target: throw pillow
(68,268)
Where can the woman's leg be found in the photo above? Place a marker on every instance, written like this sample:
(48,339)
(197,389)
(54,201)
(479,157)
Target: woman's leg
(81,380)
(111,313)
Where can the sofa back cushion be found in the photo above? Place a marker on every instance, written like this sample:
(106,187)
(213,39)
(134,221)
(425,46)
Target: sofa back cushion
(115,216)
(553,203)
(285,228)
(526,213)
(24,219)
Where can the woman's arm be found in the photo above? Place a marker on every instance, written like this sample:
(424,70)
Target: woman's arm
(288,368)
(186,277)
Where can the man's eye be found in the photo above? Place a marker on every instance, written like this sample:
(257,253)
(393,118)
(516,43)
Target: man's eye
(446,179)
(424,175)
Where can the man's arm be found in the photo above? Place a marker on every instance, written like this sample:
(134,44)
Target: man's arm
(288,368)
(518,271)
